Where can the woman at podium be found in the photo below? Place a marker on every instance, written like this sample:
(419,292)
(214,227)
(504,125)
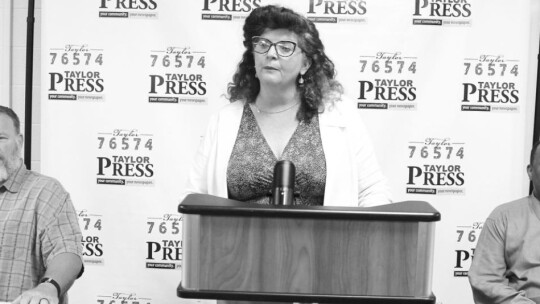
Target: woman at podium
(286,105)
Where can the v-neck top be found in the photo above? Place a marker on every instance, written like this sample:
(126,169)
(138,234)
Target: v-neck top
(251,166)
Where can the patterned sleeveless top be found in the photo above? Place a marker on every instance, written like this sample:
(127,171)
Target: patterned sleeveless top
(251,165)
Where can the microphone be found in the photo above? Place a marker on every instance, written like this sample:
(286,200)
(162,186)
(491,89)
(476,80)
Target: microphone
(283,183)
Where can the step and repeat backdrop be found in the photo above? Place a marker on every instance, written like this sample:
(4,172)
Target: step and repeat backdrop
(446,89)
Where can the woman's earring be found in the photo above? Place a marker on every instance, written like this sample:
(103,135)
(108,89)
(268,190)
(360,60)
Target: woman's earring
(301,80)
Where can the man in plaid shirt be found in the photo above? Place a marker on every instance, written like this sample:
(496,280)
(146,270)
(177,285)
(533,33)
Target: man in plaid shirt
(40,238)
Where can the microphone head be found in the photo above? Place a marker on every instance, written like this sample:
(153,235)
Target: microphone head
(283,183)
(284,174)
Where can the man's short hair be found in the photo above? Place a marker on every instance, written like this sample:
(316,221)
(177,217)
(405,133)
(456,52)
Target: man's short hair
(16,122)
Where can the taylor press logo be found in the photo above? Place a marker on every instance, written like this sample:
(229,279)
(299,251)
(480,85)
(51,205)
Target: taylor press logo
(228,10)
(123,298)
(76,73)
(133,9)
(466,238)
(164,253)
(125,158)
(177,75)
(391,81)
(337,11)
(435,167)
(442,12)
(91,227)
(490,84)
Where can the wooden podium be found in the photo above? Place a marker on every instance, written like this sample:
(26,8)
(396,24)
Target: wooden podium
(238,251)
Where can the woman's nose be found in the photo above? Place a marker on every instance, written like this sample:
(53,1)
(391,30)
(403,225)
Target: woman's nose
(272,52)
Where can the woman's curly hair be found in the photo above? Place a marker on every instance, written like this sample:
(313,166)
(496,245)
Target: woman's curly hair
(319,83)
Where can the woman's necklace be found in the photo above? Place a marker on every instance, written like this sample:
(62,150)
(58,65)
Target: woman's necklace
(273,112)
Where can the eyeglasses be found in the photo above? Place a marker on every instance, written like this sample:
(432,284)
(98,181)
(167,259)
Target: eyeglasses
(283,48)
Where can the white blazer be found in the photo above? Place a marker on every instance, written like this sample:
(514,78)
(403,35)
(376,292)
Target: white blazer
(353,177)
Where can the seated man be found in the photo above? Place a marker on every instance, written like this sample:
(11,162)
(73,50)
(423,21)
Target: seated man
(40,239)
(506,264)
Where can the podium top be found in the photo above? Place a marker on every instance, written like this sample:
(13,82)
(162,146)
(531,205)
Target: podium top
(414,211)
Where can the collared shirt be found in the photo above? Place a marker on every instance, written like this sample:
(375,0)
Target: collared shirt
(37,222)
(506,263)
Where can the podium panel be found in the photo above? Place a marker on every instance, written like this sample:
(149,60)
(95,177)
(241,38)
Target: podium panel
(233,250)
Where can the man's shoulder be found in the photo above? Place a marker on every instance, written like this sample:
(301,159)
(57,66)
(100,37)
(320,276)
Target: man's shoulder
(513,209)
(38,180)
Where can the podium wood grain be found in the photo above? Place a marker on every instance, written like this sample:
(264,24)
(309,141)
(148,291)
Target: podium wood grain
(312,256)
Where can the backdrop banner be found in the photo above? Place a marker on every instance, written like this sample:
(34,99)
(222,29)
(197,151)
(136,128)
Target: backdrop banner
(445,88)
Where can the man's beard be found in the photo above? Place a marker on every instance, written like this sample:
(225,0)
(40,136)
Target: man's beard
(9,163)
